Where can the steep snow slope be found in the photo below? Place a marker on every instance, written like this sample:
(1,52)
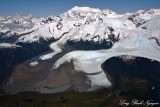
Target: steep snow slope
(94,25)
(136,34)
(89,23)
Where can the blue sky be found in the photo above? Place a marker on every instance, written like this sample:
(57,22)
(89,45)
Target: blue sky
(55,7)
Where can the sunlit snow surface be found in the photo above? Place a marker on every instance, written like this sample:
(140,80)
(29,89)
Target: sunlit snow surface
(34,63)
(138,35)
(56,49)
(133,41)
(7,45)
(91,61)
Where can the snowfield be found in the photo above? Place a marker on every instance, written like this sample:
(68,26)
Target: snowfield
(135,34)
(34,63)
(91,61)
(7,45)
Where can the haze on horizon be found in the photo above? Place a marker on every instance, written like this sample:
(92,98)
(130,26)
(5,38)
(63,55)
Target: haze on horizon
(44,8)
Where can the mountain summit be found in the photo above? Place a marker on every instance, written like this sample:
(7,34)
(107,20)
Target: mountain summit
(94,23)
(103,33)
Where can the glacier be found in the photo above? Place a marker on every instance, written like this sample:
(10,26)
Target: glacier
(135,34)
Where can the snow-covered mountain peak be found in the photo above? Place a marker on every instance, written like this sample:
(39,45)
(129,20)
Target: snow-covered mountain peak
(145,12)
(84,28)
(78,23)
(87,11)
(82,12)
(1,18)
(153,11)
(140,12)
(107,12)
(84,9)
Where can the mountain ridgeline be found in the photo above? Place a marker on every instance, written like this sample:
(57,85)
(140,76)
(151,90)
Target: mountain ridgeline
(36,53)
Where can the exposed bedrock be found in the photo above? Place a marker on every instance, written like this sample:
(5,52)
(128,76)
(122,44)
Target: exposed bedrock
(132,67)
